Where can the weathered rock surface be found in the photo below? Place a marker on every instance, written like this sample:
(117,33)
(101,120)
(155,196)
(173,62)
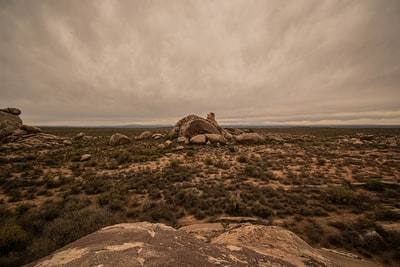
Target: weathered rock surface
(147,244)
(31,129)
(85,157)
(199,139)
(216,138)
(250,138)
(119,139)
(16,135)
(144,135)
(9,121)
(157,136)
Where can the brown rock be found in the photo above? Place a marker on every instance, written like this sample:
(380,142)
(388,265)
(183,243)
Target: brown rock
(119,139)
(216,138)
(9,121)
(31,129)
(182,139)
(13,111)
(193,125)
(144,135)
(146,244)
(85,157)
(250,138)
(198,139)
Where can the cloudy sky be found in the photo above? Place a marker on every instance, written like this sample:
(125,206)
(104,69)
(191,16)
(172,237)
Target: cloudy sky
(152,62)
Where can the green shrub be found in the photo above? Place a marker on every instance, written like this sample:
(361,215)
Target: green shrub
(12,239)
(242,159)
(374,185)
(252,171)
(208,161)
(339,195)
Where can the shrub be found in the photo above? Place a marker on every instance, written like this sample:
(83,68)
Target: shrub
(242,159)
(339,195)
(374,185)
(208,161)
(12,239)
(252,171)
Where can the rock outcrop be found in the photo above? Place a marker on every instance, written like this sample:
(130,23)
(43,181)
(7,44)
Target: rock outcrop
(147,244)
(119,139)
(14,134)
(193,125)
(9,121)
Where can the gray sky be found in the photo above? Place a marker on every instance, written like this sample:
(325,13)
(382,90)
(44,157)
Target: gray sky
(117,62)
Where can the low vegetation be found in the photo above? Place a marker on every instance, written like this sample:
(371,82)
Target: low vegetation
(316,182)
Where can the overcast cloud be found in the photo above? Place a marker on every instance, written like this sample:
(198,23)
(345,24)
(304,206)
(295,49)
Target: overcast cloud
(118,62)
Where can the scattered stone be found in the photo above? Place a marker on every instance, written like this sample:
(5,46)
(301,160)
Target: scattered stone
(179,148)
(157,136)
(161,146)
(198,139)
(250,138)
(216,138)
(144,135)
(168,143)
(31,129)
(67,142)
(87,138)
(119,139)
(85,157)
(234,131)
(79,136)
(182,139)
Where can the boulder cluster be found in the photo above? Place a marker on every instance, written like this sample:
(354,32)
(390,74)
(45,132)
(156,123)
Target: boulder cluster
(15,134)
(196,130)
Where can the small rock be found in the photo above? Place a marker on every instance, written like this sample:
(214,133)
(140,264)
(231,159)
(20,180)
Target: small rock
(161,146)
(85,157)
(79,136)
(216,138)
(168,143)
(182,139)
(157,136)
(179,148)
(87,138)
(67,142)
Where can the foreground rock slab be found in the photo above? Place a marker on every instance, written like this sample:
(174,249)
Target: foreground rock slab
(148,244)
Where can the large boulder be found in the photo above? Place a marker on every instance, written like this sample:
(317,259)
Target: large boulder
(193,125)
(9,121)
(119,139)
